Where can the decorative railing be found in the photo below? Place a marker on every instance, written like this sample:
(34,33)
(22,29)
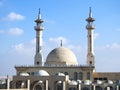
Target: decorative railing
(85,66)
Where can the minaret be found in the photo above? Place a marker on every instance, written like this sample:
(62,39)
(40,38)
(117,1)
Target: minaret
(90,28)
(39,30)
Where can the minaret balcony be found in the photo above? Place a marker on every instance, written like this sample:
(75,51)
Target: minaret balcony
(90,19)
(38,27)
(90,27)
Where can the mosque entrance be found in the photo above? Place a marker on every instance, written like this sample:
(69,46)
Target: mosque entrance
(37,87)
(98,88)
(72,88)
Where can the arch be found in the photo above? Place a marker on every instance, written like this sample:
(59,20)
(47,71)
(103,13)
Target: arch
(59,87)
(98,88)
(111,88)
(85,88)
(38,86)
(72,88)
(32,84)
(18,84)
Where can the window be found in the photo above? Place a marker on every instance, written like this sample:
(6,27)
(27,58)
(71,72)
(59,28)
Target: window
(85,88)
(104,78)
(88,75)
(37,63)
(66,73)
(80,75)
(95,79)
(32,73)
(75,75)
(90,62)
(72,88)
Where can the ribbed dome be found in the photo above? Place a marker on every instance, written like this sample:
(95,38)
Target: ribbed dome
(61,56)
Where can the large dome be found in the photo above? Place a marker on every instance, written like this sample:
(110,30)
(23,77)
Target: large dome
(61,56)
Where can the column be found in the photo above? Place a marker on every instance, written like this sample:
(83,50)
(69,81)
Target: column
(8,84)
(64,87)
(117,87)
(108,88)
(79,87)
(28,84)
(46,85)
(94,87)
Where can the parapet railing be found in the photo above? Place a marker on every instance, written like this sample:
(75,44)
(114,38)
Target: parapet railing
(84,66)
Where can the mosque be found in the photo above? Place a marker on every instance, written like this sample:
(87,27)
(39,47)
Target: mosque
(61,70)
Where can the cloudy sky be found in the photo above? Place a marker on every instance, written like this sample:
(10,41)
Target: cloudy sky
(63,20)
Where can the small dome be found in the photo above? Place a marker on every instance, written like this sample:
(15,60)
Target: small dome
(109,82)
(79,81)
(24,74)
(59,82)
(60,74)
(61,56)
(87,82)
(41,73)
(99,82)
(72,82)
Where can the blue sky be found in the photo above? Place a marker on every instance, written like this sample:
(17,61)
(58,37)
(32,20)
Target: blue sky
(63,19)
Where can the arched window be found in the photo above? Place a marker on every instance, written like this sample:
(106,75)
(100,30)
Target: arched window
(75,75)
(98,88)
(38,87)
(37,63)
(32,73)
(88,75)
(59,87)
(90,62)
(80,75)
(72,88)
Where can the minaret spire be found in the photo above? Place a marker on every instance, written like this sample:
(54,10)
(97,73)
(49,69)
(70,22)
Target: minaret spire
(90,28)
(39,30)
(39,14)
(39,11)
(90,13)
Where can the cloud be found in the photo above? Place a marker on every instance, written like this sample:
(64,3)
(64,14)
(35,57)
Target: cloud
(107,55)
(14,16)
(58,39)
(28,49)
(50,21)
(33,41)
(24,49)
(2,31)
(21,49)
(15,31)
(96,35)
(112,46)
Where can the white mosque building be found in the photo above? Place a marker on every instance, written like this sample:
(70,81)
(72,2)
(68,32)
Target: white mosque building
(61,70)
